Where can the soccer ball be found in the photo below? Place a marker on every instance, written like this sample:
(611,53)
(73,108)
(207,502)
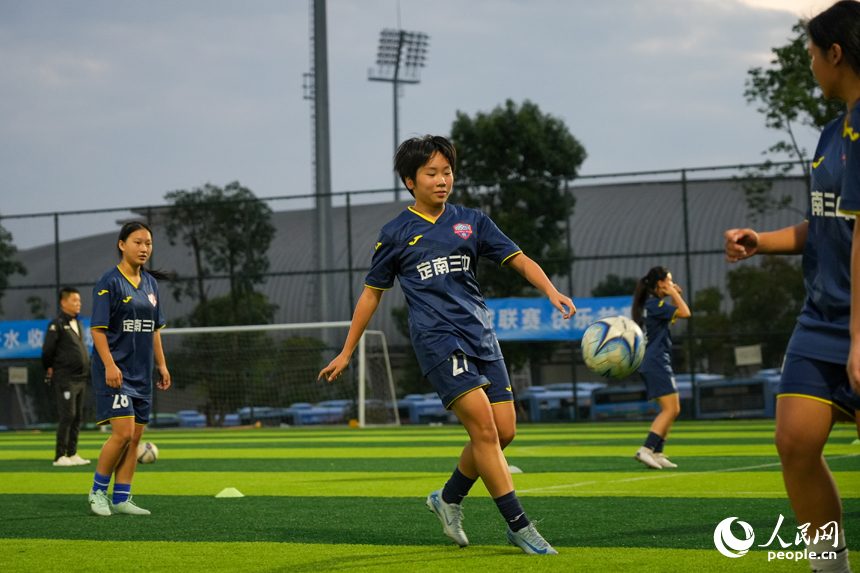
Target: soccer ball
(147,453)
(613,346)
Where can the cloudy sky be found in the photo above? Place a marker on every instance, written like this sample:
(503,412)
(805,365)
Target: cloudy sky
(111,104)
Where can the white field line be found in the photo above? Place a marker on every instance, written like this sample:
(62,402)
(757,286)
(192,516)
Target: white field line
(664,476)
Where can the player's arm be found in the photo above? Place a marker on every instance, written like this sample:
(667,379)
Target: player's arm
(368,302)
(49,347)
(113,375)
(535,275)
(683,310)
(744,243)
(160,363)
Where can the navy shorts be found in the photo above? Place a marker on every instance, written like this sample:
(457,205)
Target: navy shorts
(823,381)
(659,383)
(461,374)
(112,406)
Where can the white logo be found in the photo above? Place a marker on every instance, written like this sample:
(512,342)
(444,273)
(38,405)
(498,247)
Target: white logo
(723,537)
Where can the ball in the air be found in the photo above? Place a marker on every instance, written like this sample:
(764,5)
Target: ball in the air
(613,346)
(147,453)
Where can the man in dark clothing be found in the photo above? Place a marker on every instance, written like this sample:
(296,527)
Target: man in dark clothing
(66,359)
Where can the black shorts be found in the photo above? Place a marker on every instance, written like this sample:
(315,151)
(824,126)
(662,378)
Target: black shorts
(461,374)
(112,406)
(659,383)
(819,380)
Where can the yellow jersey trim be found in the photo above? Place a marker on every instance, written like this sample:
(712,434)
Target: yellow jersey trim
(160,327)
(92,327)
(674,315)
(448,407)
(663,396)
(425,217)
(377,288)
(128,279)
(505,402)
(849,212)
(509,257)
(817,399)
(103,422)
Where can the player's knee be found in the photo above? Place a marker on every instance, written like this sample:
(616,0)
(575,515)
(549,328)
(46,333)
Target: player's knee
(506,436)
(484,433)
(122,436)
(793,447)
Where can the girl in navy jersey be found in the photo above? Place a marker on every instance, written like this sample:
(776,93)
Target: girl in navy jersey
(125,324)
(654,315)
(815,391)
(432,249)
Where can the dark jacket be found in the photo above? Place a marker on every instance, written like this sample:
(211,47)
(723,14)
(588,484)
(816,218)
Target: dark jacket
(65,351)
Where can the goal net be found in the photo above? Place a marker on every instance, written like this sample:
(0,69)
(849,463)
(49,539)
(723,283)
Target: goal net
(267,374)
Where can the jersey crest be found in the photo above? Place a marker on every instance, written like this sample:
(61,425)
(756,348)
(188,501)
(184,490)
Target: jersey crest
(152,299)
(464,230)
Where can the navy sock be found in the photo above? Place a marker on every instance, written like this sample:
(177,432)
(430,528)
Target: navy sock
(457,487)
(121,492)
(512,511)
(659,448)
(652,441)
(101,482)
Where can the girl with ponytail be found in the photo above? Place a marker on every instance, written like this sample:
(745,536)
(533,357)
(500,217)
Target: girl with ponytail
(651,312)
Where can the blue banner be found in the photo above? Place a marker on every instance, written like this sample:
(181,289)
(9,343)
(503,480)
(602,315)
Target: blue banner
(537,319)
(24,338)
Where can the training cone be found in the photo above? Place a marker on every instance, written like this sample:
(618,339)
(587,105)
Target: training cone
(230,492)
(856,442)
(515,470)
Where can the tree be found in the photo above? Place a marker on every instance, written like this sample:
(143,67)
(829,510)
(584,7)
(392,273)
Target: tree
(767,300)
(789,97)
(8,265)
(613,285)
(713,327)
(229,231)
(512,164)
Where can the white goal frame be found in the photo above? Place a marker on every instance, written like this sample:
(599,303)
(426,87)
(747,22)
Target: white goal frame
(362,352)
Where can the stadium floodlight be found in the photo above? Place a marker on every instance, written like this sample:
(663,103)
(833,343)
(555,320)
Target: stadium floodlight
(399,61)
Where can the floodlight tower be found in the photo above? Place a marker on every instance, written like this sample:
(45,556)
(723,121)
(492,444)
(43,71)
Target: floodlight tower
(399,61)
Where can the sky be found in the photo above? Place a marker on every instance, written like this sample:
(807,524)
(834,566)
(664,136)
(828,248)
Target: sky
(112,104)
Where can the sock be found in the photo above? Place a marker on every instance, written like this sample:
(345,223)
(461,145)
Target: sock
(512,511)
(652,441)
(101,483)
(659,448)
(121,492)
(457,487)
(837,565)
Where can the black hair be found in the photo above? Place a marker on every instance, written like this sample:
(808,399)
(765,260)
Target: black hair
(129,228)
(645,287)
(417,151)
(839,24)
(66,291)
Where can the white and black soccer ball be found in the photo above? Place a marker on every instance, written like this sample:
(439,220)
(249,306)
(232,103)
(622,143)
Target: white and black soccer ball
(613,346)
(147,453)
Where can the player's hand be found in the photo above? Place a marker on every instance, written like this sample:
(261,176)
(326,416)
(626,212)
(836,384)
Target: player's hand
(164,378)
(853,366)
(563,303)
(740,244)
(335,368)
(113,376)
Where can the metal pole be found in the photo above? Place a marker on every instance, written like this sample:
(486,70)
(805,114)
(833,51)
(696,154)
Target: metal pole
(690,329)
(396,186)
(573,348)
(362,378)
(57,260)
(349,250)
(325,253)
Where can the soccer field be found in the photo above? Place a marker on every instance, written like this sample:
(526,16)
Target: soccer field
(339,499)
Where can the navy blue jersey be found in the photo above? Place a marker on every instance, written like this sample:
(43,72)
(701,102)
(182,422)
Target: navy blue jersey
(435,264)
(130,315)
(822,329)
(657,315)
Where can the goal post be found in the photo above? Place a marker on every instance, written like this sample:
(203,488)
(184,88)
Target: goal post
(232,375)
